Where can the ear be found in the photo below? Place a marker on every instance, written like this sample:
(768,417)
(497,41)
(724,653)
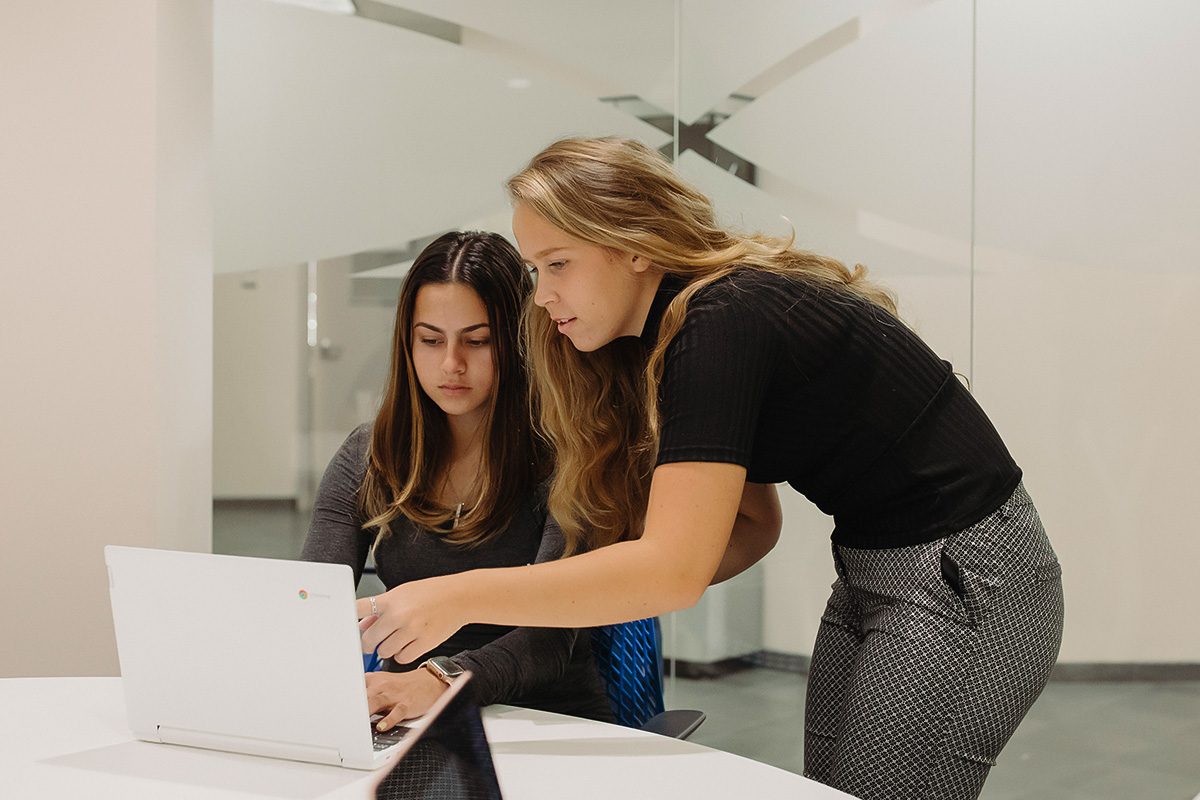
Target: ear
(638,263)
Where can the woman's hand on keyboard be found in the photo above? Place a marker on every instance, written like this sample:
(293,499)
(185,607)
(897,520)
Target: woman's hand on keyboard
(401,695)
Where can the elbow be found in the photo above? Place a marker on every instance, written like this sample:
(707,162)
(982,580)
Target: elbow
(687,587)
(772,521)
(670,581)
(691,597)
(765,531)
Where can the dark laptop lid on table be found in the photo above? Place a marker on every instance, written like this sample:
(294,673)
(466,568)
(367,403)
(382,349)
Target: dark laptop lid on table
(451,760)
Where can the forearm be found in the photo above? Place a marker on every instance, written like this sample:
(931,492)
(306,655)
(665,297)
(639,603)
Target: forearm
(692,509)
(525,658)
(518,662)
(617,583)
(691,512)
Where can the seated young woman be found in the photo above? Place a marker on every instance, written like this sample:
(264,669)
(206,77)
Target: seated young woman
(450,477)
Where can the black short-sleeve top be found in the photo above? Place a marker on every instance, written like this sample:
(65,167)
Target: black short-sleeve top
(802,382)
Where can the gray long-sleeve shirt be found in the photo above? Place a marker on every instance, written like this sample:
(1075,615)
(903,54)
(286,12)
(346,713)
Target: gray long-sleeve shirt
(544,668)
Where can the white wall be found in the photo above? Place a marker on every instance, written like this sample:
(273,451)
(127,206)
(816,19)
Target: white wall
(1088,302)
(105,220)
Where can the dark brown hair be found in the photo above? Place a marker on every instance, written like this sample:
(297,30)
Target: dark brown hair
(411,442)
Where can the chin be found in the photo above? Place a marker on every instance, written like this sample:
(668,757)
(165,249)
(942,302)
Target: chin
(585,347)
(586,344)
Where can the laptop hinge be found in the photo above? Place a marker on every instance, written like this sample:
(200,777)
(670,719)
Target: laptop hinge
(250,744)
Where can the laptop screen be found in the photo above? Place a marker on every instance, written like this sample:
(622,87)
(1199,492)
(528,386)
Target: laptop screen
(450,761)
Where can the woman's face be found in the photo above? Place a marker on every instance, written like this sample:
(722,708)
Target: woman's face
(452,349)
(594,294)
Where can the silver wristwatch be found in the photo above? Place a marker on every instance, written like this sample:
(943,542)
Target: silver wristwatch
(443,668)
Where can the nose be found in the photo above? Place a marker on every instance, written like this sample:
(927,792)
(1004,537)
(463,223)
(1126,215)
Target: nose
(541,292)
(454,363)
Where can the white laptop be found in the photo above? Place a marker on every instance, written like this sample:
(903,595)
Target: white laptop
(251,655)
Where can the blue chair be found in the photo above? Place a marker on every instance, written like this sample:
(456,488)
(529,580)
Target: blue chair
(629,657)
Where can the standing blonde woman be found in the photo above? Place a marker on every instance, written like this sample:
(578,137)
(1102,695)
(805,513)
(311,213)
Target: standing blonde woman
(683,371)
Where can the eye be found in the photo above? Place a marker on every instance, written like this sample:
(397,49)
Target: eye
(479,342)
(429,340)
(557,265)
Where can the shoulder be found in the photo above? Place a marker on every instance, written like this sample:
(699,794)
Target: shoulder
(755,293)
(767,304)
(360,437)
(350,461)
(357,446)
(747,304)
(750,285)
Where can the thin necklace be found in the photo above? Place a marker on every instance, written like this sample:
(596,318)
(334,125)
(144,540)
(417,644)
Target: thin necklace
(455,493)
(449,484)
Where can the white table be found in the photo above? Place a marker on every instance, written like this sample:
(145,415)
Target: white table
(68,738)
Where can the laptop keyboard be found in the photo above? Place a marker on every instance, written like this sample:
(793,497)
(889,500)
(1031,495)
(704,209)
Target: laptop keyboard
(385,739)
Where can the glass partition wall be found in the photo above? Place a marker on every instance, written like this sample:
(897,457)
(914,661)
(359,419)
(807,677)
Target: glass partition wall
(1021,173)
(347,142)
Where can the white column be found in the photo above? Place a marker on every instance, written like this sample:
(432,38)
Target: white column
(106,312)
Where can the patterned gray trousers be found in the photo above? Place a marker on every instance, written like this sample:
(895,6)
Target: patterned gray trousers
(929,656)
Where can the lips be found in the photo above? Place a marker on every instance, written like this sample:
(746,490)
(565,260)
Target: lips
(563,324)
(454,388)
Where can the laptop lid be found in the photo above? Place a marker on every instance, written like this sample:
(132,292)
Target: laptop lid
(449,759)
(252,655)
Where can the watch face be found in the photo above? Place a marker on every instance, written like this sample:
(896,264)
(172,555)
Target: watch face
(444,668)
(449,667)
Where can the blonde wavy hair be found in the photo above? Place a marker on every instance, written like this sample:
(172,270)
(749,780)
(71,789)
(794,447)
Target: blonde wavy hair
(599,410)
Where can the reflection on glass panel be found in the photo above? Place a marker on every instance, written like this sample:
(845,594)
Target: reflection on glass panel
(860,136)
(405,128)
(395,134)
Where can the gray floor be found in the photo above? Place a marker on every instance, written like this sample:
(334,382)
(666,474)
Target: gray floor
(1081,740)
(1101,740)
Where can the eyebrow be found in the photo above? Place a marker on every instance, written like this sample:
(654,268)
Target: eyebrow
(547,252)
(467,329)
